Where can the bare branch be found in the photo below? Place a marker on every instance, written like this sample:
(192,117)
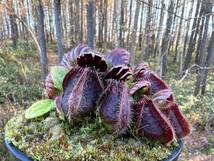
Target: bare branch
(30,31)
(27,27)
(186,72)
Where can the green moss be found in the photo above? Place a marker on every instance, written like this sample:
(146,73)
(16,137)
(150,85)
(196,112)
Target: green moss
(47,138)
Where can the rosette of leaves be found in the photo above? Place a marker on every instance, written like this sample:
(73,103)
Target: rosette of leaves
(147,107)
(142,73)
(69,59)
(53,83)
(82,87)
(156,116)
(151,122)
(115,104)
(115,108)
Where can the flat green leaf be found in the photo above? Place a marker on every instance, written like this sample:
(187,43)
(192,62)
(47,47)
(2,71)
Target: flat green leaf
(57,74)
(40,108)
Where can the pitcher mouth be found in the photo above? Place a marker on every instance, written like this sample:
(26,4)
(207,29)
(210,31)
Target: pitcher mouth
(91,59)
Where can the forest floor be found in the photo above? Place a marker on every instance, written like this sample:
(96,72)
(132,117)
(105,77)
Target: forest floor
(22,87)
(196,147)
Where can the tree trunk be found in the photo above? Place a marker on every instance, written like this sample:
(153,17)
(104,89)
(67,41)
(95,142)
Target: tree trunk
(96,23)
(112,35)
(199,31)
(50,22)
(174,27)
(209,61)
(7,25)
(90,23)
(77,21)
(24,18)
(64,22)
(41,38)
(158,38)
(58,25)
(141,27)
(117,19)
(17,11)
(186,40)
(129,22)
(28,11)
(208,10)
(110,26)
(121,23)
(166,40)
(105,23)
(191,42)
(148,47)
(71,19)
(2,28)
(179,34)
(81,25)
(133,36)
(13,23)
(100,25)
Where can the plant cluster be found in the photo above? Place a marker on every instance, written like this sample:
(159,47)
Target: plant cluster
(126,98)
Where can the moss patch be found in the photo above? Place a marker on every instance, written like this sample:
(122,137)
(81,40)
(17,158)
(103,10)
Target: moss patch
(47,138)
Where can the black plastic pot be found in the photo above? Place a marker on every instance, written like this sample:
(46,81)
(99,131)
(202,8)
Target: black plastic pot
(20,156)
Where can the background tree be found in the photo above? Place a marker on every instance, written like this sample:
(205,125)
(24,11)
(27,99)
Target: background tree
(134,31)
(207,9)
(90,22)
(13,23)
(166,40)
(192,40)
(209,59)
(58,25)
(41,38)
(117,19)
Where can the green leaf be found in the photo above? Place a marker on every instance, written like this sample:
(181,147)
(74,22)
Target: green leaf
(139,93)
(40,108)
(58,73)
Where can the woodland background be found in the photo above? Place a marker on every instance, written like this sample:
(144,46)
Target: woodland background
(175,37)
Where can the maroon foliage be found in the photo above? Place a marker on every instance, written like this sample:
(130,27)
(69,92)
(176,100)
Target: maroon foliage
(145,85)
(82,87)
(140,68)
(167,116)
(150,121)
(90,59)
(154,115)
(118,56)
(49,87)
(72,55)
(165,94)
(120,72)
(177,119)
(142,73)
(115,105)
(81,91)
